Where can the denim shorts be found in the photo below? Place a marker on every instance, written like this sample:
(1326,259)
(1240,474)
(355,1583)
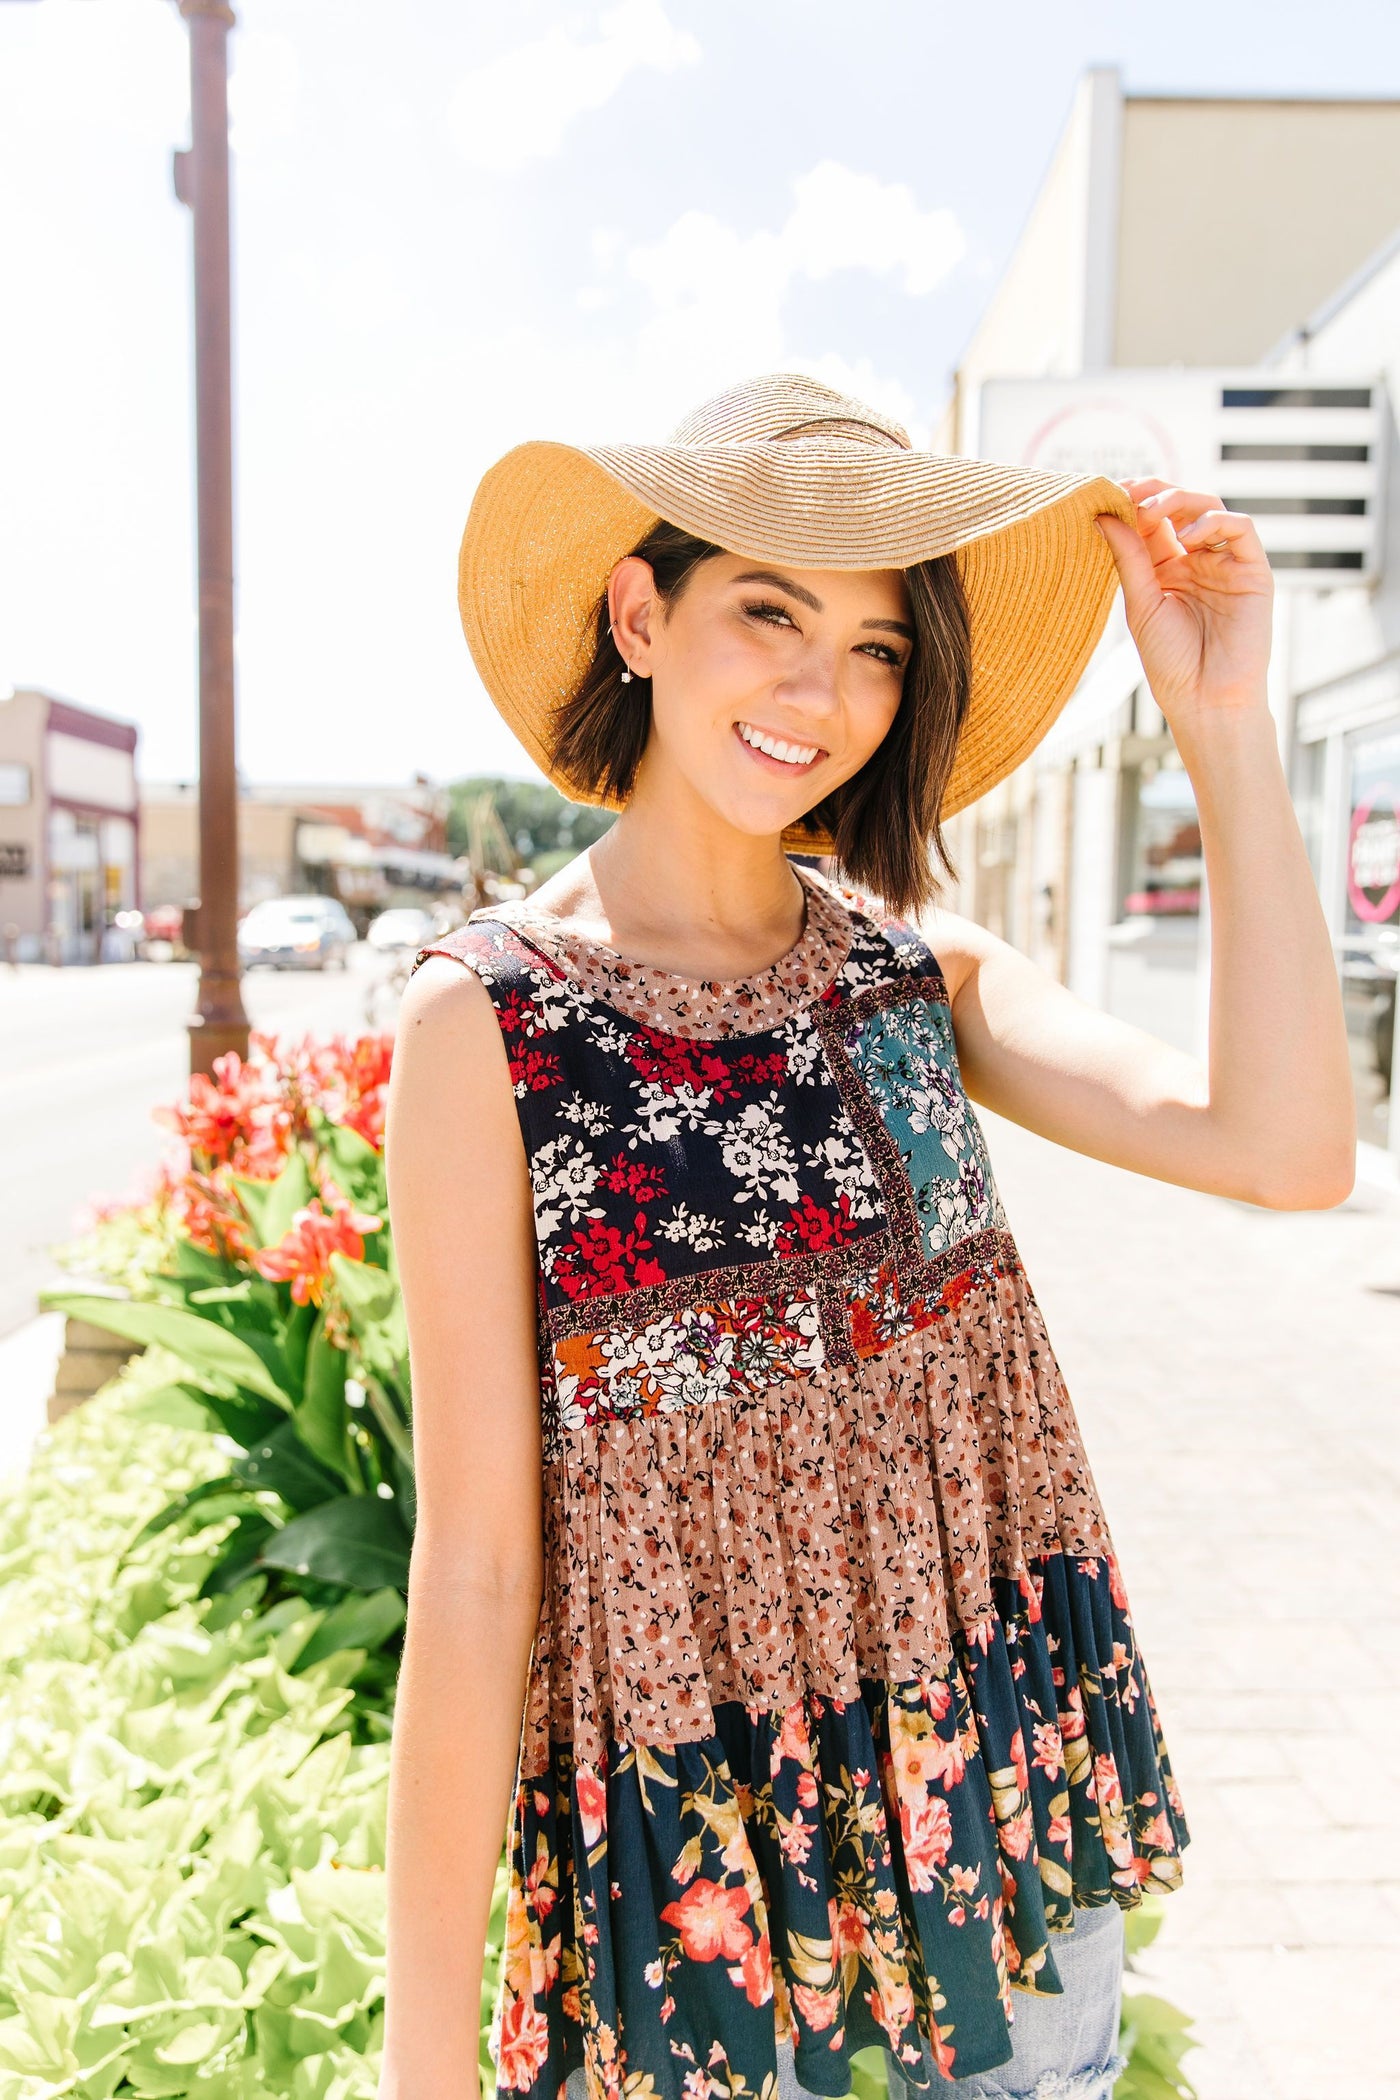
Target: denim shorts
(1063,2047)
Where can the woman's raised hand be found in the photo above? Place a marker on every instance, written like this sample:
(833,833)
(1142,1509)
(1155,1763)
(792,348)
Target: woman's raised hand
(1198,592)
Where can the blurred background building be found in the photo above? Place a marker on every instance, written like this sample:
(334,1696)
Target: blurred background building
(368,846)
(1208,290)
(70,826)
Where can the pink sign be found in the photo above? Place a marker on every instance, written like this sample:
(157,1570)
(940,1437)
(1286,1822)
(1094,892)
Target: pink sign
(1373,858)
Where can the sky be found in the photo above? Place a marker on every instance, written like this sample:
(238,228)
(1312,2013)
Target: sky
(457,228)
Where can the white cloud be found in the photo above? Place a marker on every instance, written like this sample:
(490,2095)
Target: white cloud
(718,295)
(845,221)
(518,107)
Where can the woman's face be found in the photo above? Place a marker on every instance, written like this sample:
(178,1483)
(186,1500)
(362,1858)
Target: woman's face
(770,685)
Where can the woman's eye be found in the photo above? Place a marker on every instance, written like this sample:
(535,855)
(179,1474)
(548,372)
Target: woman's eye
(883,653)
(763,610)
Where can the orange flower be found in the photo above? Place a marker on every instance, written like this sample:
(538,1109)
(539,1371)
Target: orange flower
(302,1257)
(710,1920)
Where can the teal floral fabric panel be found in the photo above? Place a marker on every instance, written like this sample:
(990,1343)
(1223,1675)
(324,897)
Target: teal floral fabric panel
(907,1062)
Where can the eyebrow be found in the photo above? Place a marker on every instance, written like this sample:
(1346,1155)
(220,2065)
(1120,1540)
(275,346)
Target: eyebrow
(806,597)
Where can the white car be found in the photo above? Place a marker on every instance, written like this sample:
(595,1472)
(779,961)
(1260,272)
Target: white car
(297,933)
(402,926)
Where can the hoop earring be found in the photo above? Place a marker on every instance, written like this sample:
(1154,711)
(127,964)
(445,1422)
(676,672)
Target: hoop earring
(626,668)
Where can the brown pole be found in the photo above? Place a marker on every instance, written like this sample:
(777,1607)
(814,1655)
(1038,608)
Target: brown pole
(219,1022)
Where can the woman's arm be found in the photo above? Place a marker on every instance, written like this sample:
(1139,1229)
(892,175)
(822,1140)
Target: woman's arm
(1270,1117)
(460,1207)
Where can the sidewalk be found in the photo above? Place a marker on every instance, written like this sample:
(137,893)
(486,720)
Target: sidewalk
(1236,1373)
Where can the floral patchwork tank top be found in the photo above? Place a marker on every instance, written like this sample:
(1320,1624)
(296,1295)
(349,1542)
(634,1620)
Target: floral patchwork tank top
(835,1709)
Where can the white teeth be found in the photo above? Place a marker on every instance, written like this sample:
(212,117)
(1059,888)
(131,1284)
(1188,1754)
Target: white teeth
(790,754)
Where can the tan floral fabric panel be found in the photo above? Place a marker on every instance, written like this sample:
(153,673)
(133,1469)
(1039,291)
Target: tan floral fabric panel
(802,1536)
(691,1007)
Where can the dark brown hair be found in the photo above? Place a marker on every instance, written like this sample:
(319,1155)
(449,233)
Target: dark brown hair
(885,818)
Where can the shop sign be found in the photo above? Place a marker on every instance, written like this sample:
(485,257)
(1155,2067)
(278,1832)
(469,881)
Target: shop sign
(1373,856)
(14,857)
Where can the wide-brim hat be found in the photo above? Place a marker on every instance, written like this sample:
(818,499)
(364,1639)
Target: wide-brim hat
(784,469)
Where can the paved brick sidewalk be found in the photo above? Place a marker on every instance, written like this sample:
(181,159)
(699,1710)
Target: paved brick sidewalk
(1237,1376)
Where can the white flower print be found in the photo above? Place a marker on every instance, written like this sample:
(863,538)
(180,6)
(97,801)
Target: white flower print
(664,1114)
(758,1154)
(702,1233)
(563,1175)
(842,1158)
(591,1116)
(759,1231)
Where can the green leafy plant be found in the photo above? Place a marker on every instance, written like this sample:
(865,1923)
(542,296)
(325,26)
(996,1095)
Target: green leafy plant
(267,1282)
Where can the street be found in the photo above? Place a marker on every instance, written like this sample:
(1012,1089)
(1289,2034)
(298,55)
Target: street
(85,1055)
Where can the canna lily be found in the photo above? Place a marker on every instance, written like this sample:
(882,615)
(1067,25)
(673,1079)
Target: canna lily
(302,1257)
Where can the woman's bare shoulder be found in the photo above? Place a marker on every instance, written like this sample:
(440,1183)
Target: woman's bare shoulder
(958,945)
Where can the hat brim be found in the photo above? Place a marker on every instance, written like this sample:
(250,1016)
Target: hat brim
(549,521)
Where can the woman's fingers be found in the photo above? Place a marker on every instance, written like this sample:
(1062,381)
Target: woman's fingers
(1221,531)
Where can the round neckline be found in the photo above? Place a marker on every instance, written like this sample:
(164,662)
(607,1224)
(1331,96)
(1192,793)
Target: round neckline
(696,1005)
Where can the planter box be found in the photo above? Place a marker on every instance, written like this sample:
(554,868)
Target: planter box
(91,1355)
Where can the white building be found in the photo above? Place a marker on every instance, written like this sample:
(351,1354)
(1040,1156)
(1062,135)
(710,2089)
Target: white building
(1137,330)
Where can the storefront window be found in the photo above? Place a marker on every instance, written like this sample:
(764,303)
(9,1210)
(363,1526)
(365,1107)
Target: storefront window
(1369,950)
(1162,833)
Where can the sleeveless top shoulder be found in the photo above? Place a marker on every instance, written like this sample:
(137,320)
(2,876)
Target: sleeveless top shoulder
(835,1709)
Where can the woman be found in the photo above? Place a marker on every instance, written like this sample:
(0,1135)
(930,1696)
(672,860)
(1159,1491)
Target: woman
(760,1577)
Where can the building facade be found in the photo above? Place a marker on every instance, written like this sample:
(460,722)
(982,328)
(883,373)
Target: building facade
(368,846)
(70,827)
(1137,330)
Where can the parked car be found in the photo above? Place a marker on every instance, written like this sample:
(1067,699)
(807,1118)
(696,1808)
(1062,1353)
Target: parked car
(402,926)
(297,933)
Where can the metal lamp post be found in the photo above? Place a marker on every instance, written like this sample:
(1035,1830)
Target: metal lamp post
(219,1022)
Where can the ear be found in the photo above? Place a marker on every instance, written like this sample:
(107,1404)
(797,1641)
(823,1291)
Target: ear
(631,608)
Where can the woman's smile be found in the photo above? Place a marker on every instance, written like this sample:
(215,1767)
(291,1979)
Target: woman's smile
(775,752)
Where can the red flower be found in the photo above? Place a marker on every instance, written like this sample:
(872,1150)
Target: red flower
(534,1069)
(592,1799)
(524,2044)
(302,1257)
(600,1260)
(237,1118)
(811,1227)
(628,1177)
(755,1972)
(710,1920)
(676,1064)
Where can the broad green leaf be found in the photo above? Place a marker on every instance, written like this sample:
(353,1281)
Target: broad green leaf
(322,1419)
(271,1205)
(356,1622)
(358,1540)
(206,1347)
(241,1552)
(282,1463)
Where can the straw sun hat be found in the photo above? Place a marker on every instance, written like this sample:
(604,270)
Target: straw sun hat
(784,469)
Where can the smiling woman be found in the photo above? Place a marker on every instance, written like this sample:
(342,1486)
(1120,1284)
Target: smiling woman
(904,637)
(761,1581)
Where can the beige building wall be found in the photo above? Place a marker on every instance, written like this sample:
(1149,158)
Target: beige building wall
(22,719)
(170,846)
(1238,217)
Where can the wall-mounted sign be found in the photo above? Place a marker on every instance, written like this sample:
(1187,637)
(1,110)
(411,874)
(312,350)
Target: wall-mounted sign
(14,857)
(1302,455)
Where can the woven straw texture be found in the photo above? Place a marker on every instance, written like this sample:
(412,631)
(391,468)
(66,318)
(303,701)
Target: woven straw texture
(784,469)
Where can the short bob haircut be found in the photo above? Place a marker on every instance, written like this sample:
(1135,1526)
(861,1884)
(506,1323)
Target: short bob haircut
(885,818)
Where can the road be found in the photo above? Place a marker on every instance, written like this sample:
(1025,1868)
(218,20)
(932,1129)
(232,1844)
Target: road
(85,1055)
